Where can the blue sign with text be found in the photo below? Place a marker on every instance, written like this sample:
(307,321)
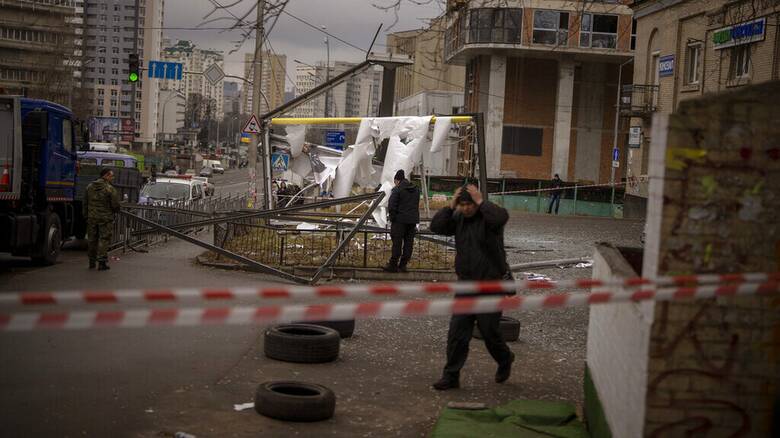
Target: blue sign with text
(666,66)
(335,139)
(165,70)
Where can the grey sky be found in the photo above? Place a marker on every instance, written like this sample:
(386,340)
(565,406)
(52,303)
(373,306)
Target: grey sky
(351,20)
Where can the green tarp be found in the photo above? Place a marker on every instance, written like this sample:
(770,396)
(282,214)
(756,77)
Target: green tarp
(518,418)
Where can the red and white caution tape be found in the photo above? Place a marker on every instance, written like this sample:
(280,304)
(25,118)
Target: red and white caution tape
(358,290)
(344,311)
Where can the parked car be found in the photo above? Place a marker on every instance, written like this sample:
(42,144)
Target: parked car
(190,172)
(171,191)
(208,187)
(217,168)
(171,173)
(207,172)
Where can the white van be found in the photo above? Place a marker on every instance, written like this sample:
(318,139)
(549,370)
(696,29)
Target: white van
(166,191)
(215,165)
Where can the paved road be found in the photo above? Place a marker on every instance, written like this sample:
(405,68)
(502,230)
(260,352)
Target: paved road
(153,382)
(100,383)
(231,182)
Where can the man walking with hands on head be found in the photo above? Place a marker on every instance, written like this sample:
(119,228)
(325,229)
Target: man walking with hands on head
(478,227)
(404,211)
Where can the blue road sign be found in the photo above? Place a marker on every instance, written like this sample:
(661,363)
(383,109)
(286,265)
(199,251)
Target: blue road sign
(165,70)
(335,139)
(279,162)
(615,154)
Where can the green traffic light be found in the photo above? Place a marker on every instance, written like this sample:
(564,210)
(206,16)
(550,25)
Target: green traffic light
(133,77)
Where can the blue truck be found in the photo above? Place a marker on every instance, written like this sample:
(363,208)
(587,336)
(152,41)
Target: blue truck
(38,165)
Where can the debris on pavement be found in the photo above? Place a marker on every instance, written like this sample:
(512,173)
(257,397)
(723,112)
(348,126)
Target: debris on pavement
(243,406)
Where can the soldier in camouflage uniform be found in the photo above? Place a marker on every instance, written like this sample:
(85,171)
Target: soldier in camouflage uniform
(100,204)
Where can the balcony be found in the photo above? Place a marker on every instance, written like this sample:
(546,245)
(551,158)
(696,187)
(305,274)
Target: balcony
(638,100)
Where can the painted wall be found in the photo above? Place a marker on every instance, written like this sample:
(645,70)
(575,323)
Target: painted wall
(714,365)
(618,340)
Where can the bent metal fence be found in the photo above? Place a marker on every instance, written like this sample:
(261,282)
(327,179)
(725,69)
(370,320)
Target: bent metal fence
(130,233)
(286,247)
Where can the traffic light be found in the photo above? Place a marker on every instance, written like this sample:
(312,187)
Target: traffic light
(135,69)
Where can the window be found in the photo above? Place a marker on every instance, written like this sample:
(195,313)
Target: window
(551,27)
(633,34)
(598,31)
(740,62)
(116,18)
(101,70)
(692,61)
(116,163)
(67,135)
(114,71)
(115,50)
(518,140)
(116,29)
(114,82)
(88,162)
(101,81)
(102,38)
(102,60)
(113,113)
(115,39)
(115,61)
(116,8)
(103,17)
(101,92)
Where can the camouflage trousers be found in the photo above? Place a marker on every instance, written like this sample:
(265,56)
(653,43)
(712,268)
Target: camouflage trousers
(99,237)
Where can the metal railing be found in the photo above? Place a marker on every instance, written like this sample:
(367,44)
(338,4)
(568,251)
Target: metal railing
(131,233)
(285,247)
(638,100)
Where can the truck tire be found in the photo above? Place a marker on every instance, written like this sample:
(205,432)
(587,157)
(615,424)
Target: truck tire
(302,343)
(345,328)
(48,249)
(295,401)
(508,326)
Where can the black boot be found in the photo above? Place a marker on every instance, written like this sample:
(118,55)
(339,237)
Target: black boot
(103,266)
(390,268)
(403,269)
(504,370)
(92,264)
(446,383)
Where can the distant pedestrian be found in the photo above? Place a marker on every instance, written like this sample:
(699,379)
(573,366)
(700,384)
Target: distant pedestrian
(555,195)
(478,227)
(153,173)
(101,203)
(404,210)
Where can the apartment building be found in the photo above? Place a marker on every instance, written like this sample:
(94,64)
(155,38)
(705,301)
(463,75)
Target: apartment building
(38,48)
(687,49)
(545,74)
(206,100)
(272,87)
(109,37)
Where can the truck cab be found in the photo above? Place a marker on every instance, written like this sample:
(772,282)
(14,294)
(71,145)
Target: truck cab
(38,180)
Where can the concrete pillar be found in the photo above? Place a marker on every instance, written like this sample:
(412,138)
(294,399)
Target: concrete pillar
(563,111)
(590,120)
(492,86)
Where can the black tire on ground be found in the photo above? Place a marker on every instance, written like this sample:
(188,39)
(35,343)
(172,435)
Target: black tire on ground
(302,343)
(345,328)
(48,249)
(508,326)
(295,401)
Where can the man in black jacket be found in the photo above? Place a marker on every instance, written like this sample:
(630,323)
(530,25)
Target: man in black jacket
(404,210)
(478,227)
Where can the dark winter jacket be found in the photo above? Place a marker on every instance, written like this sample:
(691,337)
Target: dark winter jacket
(404,203)
(557,184)
(101,201)
(479,240)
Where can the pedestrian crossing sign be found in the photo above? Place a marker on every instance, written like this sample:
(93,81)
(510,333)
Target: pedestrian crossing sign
(279,162)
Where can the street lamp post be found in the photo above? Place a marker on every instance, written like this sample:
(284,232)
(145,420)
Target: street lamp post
(327,74)
(617,117)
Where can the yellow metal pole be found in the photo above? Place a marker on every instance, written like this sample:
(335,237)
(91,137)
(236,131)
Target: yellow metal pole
(341,120)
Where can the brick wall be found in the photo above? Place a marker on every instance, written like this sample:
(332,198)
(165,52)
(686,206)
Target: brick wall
(714,365)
